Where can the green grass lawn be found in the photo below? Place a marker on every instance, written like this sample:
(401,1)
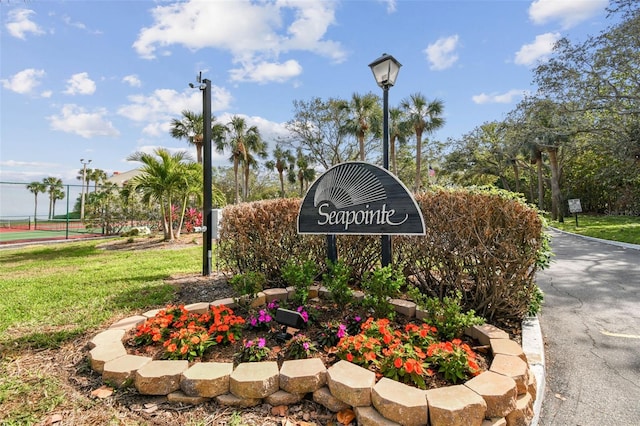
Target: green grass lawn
(625,229)
(55,292)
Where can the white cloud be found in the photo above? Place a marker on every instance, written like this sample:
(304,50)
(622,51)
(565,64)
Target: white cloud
(156,110)
(265,72)
(24,81)
(253,32)
(569,13)
(499,98)
(442,54)
(19,24)
(391,5)
(80,84)
(132,80)
(537,51)
(74,119)
(76,24)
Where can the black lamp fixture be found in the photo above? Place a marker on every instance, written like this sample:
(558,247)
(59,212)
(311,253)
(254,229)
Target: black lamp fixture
(288,319)
(385,70)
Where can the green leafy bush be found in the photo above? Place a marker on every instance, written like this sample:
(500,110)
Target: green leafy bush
(446,315)
(379,286)
(248,283)
(301,276)
(536,302)
(337,279)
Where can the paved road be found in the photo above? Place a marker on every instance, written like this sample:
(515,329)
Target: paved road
(590,322)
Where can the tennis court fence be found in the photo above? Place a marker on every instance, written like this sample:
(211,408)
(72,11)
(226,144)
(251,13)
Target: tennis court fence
(35,224)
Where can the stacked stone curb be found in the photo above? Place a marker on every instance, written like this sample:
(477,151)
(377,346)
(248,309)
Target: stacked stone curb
(503,395)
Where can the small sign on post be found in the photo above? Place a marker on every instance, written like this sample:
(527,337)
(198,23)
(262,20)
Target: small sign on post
(575,208)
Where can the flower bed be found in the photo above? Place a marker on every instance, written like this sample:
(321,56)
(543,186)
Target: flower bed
(507,390)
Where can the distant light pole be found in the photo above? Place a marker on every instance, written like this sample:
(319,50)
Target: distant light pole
(205,87)
(385,70)
(84,179)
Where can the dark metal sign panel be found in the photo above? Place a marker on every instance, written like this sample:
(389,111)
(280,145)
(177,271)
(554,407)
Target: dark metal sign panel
(359,198)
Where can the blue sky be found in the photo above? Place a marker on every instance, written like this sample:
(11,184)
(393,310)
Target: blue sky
(100,80)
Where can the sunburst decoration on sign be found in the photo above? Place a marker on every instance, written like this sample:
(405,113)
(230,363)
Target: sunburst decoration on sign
(349,186)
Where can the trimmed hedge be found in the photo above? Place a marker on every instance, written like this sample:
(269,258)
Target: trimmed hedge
(487,244)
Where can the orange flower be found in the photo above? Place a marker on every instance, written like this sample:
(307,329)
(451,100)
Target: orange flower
(349,357)
(184,349)
(172,347)
(195,340)
(397,363)
(409,365)
(370,356)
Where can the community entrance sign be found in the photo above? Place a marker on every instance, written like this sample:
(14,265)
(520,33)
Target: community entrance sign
(359,198)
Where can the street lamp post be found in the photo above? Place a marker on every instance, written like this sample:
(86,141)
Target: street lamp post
(84,179)
(385,70)
(207,183)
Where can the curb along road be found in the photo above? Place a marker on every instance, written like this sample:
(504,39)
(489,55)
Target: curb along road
(533,348)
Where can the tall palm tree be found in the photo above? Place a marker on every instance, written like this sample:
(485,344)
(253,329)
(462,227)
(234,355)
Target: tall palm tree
(58,194)
(53,184)
(191,128)
(98,176)
(162,179)
(364,118)
(425,117)
(36,188)
(300,171)
(241,140)
(399,131)
(281,160)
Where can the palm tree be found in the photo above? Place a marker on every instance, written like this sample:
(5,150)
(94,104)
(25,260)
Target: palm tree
(425,117)
(53,185)
(35,188)
(242,141)
(163,178)
(98,176)
(364,112)
(191,128)
(192,188)
(84,176)
(399,130)
(305,174)
(281,160)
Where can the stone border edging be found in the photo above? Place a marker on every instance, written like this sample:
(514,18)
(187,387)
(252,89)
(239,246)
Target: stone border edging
(506,394)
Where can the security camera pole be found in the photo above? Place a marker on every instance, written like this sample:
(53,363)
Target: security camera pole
(205,86)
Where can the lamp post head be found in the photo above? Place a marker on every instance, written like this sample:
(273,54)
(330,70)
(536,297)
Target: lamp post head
(385,70)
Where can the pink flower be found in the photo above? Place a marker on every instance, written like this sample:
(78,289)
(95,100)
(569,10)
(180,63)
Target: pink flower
(342,331)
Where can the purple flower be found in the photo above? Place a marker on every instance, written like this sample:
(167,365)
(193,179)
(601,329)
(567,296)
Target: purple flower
(248,344)
(303,313)
(261,342)
(253,321)
(342,331)
(272,305)
(305,345)
(264,316)
(357,319)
